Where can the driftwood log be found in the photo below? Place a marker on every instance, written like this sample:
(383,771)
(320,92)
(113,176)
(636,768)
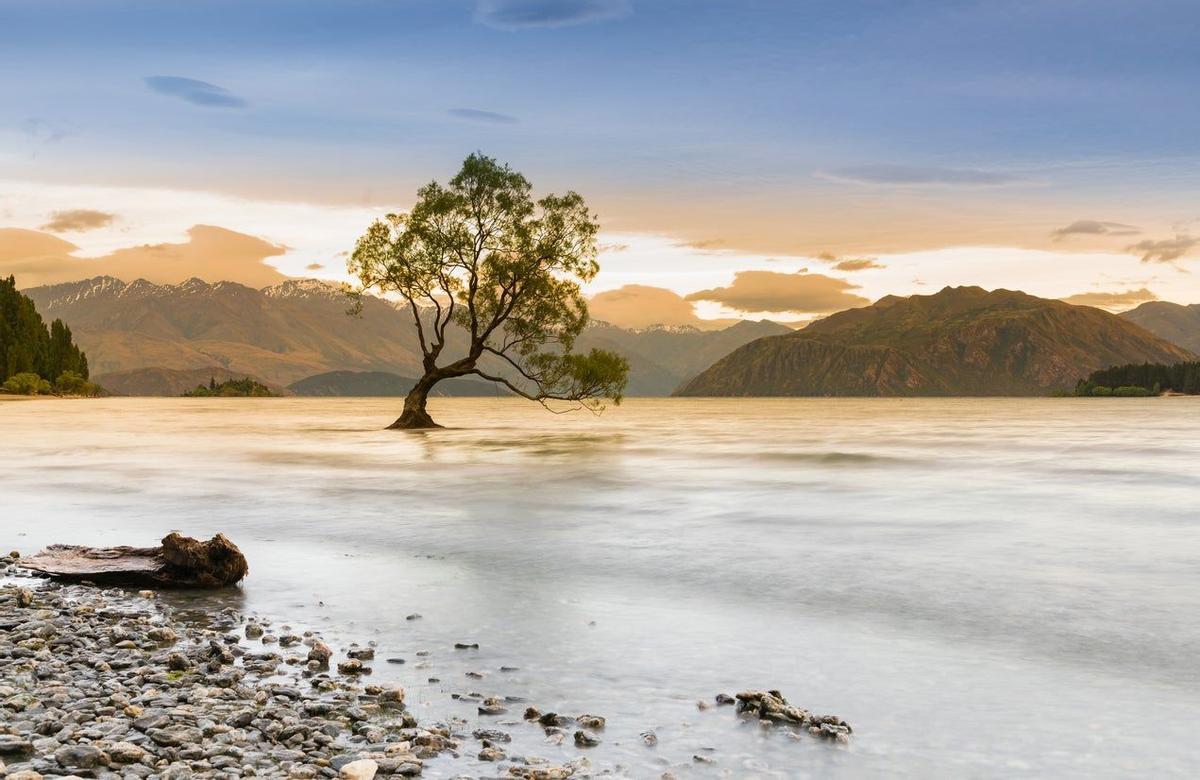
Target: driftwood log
(180,562)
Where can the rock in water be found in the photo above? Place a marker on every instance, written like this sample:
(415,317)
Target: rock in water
(771,707)
(584,739)
(593,722)
(320,652)
(180,562)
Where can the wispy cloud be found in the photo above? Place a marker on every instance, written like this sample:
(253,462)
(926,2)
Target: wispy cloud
(43,132)
(524,14)
(858,264)
(1112,301)
(850,263)
(314,267)
(772,291)
(78,220)
(1092,227)
(199,93)
(704,244)
(1166,250)
(916,176)
(478,115)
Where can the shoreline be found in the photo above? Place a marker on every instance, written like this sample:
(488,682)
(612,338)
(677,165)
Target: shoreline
(115,683)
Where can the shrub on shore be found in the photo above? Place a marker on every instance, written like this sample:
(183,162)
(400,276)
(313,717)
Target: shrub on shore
(74,384)
(27,383)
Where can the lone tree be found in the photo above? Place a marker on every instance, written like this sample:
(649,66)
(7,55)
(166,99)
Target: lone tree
(480,255)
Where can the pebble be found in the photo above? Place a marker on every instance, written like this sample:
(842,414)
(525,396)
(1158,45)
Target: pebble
(363,769)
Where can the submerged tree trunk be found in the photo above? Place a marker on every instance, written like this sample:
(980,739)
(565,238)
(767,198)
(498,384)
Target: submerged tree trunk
(414,416)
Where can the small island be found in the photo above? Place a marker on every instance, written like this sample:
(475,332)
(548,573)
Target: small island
(231,388)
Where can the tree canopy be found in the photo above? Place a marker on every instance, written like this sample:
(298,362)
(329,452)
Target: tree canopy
(481,255)
(27,346)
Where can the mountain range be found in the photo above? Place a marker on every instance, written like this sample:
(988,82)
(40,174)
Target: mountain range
(278,334)
(959,341)
(150,339)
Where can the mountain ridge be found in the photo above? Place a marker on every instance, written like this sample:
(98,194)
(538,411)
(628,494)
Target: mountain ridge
(959,341)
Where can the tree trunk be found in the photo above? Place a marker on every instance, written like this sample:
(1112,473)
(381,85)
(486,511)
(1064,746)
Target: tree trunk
(414,416)
(180,562)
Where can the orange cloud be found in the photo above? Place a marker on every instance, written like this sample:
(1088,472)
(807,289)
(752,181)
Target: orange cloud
(1112,301)
(857,264)
(78,220)
(211,253)
(639,306)
(771,291)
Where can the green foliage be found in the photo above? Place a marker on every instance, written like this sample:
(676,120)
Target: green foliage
(27,346)
(26,383)
(481,254)
(73,383)
(231,388)
(1141,380)
(1132,391)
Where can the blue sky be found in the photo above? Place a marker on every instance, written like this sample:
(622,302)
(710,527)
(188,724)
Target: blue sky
(763,128)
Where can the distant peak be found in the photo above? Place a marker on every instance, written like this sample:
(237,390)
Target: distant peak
(193,285)
(303,288)
(70,292)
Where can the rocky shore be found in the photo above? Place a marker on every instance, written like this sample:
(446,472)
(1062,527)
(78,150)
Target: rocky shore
(109,683)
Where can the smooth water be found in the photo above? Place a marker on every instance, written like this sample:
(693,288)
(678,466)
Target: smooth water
(982,588)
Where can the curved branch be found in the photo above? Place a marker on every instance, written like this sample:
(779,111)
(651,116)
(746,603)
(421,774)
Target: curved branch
(540,398)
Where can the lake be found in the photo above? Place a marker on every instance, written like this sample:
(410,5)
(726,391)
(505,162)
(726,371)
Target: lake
(981,587)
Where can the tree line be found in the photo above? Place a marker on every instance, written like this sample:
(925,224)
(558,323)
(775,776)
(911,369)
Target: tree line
(35,359)
(1142,380)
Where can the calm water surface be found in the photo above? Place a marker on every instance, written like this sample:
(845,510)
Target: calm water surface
(983,588)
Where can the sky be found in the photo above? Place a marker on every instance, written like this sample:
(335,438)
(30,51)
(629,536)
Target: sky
(746,159)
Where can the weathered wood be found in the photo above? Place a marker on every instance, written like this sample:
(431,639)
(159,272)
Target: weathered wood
(180,562)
